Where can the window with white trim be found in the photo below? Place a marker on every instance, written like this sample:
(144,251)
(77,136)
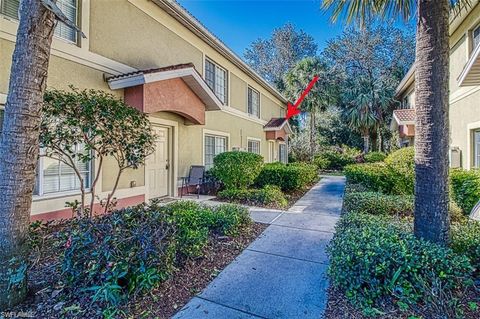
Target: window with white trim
(217,79)
(282,153)
(253,146)
(476,37)
(214,145)
(54,176)
(253,102)
(476,148)
(9,8)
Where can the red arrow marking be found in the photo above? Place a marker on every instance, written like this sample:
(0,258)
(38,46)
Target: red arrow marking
(293,110)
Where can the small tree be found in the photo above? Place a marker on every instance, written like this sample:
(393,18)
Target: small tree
(103,126)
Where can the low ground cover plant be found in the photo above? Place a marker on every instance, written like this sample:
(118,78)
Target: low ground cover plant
(269,195)
(134,249)
(289,177)
(466,241)
(377,259)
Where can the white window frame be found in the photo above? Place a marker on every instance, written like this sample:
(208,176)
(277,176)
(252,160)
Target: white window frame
(56,35)
(226,90)
(214,134)
(254,140)
(40,190)
(476,149)
(280,153)
(250,110)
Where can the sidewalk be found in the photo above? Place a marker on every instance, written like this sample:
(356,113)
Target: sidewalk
(282,274)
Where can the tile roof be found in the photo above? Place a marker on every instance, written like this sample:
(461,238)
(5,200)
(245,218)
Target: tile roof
(275,122)
(405,115)
(154,70)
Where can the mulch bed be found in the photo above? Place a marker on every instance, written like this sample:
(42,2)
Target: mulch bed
(48,298)
(338,307)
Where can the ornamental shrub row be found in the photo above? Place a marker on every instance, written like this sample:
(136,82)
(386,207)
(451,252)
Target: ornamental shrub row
(269,195)
(378,204)
(374,157)
(134,249)
(336,158)
(237,170)
(376,259)
(289,177)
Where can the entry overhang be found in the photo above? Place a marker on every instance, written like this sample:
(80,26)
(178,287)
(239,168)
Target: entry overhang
(470,75)
(179,89)
(277,128)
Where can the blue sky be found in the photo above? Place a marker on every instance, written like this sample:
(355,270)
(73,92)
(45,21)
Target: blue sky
(238,23)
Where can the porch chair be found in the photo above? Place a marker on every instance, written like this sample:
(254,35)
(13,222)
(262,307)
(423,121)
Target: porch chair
(196,177)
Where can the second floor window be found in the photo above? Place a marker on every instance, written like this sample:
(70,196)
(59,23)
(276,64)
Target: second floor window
(217,79)
(476,37)
(253,102)
(9,8)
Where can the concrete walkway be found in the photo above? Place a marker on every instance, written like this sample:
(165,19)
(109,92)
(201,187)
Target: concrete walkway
(282,274)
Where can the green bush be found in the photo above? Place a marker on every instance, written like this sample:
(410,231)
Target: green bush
(269,195)
(134,249)
(237,170)
(466,241)
(374,157)
(336,158)
(374,176)
(465,188)
(289,177)
(378,204)
(375,259)
(402,166)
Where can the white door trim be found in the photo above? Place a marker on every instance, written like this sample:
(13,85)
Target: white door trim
(173,154)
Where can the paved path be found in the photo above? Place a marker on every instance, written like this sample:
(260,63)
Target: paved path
(282,274)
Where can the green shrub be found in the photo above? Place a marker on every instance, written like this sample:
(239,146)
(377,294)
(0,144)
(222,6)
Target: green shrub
(402,166)
(336,158)
(128,251)
(374,157)
(269,195)
(237,170)
(289,177)
(466,241)
(134,249)
(374,176)
(378,204)
(465,188)
(375,259)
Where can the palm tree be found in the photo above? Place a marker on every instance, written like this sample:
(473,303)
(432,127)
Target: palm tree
(19,140)
(431,87)
(319,98)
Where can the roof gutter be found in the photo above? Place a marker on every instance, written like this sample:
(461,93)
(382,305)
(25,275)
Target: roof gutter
(190,22)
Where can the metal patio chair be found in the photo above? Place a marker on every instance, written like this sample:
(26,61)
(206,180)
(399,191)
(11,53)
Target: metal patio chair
(195,178)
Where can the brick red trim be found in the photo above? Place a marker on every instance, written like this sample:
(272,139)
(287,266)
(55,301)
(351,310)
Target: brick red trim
(67,213)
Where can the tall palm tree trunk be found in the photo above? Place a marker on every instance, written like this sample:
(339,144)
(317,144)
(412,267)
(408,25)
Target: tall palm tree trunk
(312,134)
(19,144)
(431,129)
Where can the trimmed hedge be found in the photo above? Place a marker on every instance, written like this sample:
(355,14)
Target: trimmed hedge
(336,158)
(465,188)
(134,249)
(378,204)
(289,177)
(375,259)
(374,176)
(402,170)
(374,157)
(269,195)
(237,170)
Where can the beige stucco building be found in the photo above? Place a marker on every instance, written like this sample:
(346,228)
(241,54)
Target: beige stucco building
(201,98)
(464,88)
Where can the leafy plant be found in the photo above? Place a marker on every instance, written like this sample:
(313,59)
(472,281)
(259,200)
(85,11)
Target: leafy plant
(466,241)
(336,158)
(269,195)
(374,157)
(375,258)
(402,166)
(465,188)
(289,177)
(80,126)
(373,176)
(237,170)
(378,204)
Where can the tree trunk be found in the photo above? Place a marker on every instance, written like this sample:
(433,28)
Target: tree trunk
(19,145)
(312,134)
(366,142)
(431,128)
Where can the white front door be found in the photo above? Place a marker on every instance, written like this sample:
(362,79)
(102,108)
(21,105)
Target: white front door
(157,165)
